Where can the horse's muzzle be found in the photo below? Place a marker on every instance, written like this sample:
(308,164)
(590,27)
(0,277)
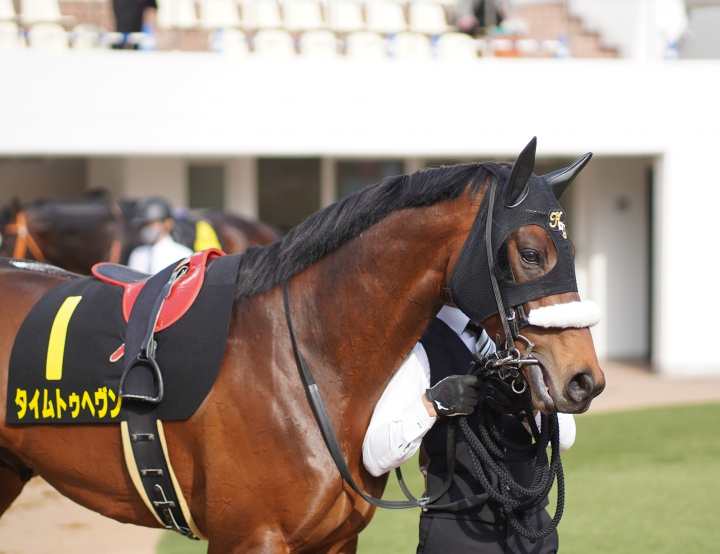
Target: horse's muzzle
(582,387)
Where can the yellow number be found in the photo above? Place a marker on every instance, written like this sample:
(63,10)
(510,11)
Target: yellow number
(58,334)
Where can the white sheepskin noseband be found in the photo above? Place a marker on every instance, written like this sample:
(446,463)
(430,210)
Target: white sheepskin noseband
(572,314)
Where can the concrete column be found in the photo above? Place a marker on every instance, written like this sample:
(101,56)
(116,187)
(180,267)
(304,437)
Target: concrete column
(328,185)
(613,253)
(108,174)
(165,177)
(414,164)
(685,277)
(241,187)
(140,177)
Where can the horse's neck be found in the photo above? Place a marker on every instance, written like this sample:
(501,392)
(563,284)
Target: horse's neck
(368,303)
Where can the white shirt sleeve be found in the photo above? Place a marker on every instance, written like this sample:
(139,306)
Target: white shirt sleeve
(566,422)
(567,431)
(400,420)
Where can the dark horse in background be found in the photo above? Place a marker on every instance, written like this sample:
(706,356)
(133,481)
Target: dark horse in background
(71,234)
(367,275)
(77,234)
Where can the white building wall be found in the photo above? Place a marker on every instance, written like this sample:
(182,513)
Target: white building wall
(613,252)
(205,105)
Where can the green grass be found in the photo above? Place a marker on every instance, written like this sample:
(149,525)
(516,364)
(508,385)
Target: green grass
(638,482)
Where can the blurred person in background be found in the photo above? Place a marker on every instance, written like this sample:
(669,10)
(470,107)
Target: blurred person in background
(134,16)
(413,413)
(154,221)
(471,15)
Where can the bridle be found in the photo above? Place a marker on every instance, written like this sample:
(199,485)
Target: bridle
(24,240)
(489,452)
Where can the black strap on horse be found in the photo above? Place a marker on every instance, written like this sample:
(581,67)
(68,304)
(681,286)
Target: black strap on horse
(141,389)
(328,433)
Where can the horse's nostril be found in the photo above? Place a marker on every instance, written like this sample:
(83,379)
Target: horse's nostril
(580,387)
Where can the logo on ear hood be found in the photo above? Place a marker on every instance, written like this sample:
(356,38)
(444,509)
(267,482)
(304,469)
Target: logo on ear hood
(556,222)
(524,199)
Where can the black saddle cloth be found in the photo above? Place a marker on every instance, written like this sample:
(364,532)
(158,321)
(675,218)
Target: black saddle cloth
(189,352)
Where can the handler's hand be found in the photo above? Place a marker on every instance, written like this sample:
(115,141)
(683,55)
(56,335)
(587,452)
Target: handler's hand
(502,398)
(454,395)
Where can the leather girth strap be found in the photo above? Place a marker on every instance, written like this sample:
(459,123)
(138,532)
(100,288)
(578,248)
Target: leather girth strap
(141,388)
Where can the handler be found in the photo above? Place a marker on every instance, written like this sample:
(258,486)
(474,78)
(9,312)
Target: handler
(155,222)
(411,415)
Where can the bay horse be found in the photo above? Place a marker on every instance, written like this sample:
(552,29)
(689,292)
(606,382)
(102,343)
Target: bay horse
(72,234)
(367,275)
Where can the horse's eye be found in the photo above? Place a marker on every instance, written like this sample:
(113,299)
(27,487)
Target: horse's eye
(529,256)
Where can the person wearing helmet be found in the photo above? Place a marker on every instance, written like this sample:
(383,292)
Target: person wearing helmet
(154,222)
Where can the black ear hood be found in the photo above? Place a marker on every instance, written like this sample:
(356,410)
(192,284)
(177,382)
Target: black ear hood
(470,286)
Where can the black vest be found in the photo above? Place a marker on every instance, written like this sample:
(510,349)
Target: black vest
(448,355)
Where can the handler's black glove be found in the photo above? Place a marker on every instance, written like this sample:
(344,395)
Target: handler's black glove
(502,398)
(454,395)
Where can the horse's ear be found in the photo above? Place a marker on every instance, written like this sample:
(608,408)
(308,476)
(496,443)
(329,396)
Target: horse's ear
(560,180)
(516,187)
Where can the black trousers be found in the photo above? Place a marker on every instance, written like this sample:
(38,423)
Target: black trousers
(439,535)
(129,14)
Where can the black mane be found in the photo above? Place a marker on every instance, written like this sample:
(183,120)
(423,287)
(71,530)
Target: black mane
(262,268)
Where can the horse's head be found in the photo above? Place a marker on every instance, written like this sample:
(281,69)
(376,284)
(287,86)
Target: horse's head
(521,265)
(568,376)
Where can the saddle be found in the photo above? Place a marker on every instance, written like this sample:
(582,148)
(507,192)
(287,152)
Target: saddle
(182,295)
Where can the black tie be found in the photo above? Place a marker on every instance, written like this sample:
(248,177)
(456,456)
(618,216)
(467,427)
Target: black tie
(474,328)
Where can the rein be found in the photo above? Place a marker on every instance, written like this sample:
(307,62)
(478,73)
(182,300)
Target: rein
(24,241)
(490,451)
